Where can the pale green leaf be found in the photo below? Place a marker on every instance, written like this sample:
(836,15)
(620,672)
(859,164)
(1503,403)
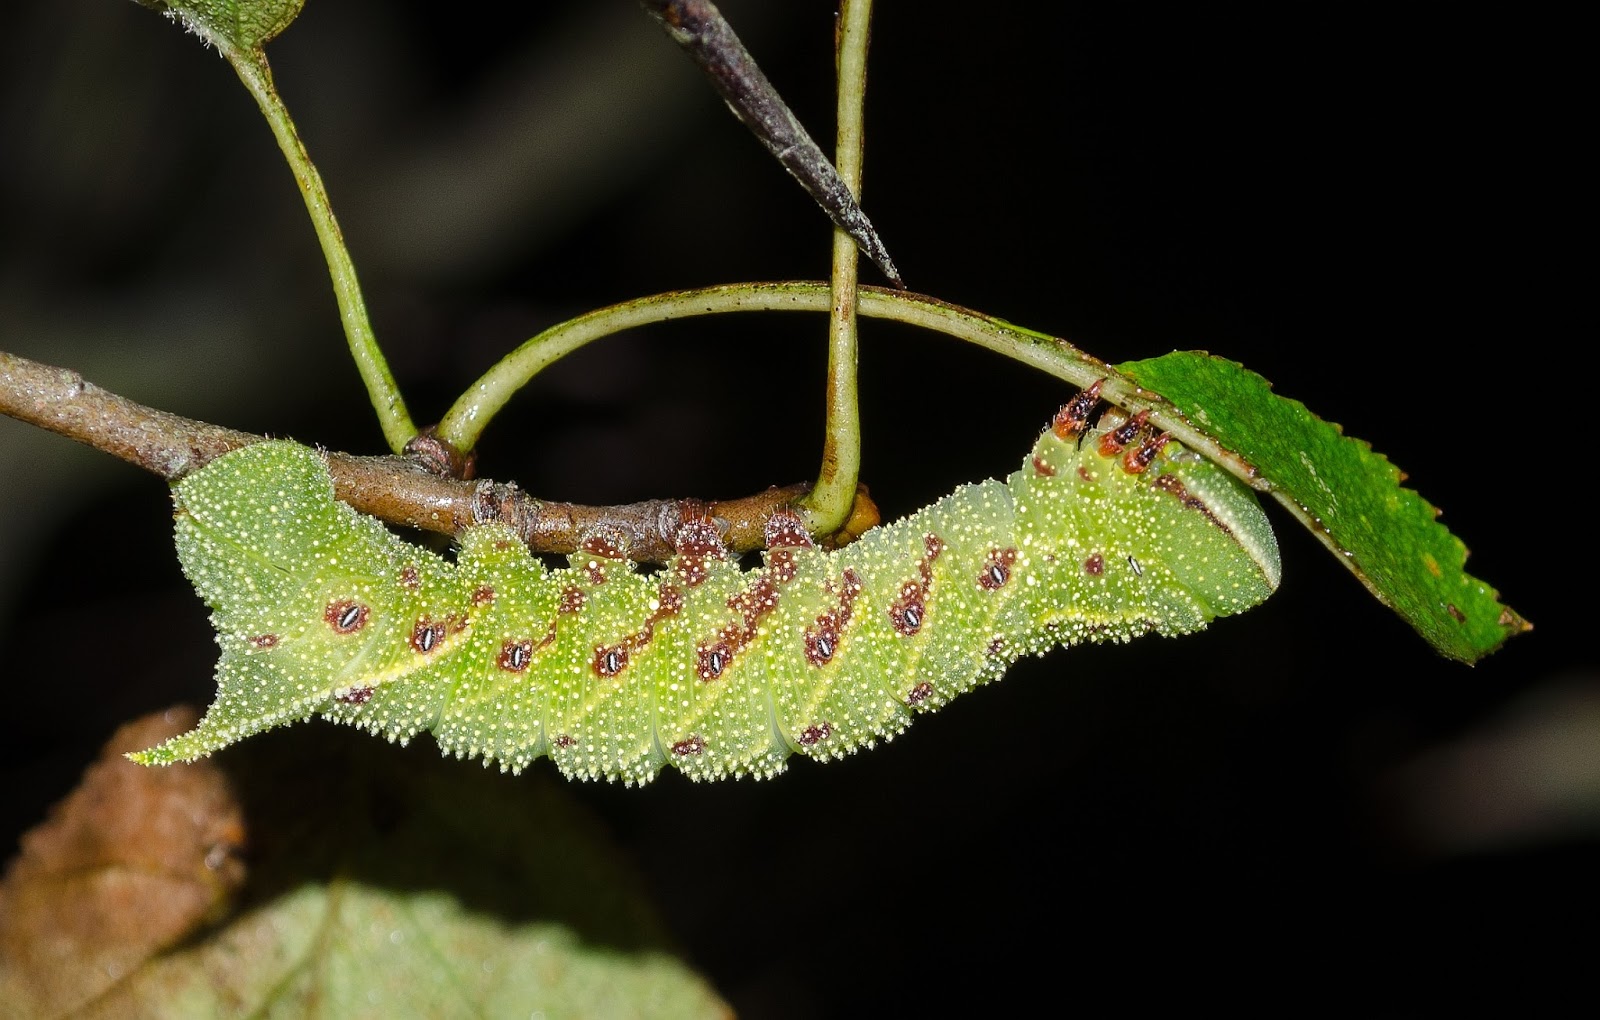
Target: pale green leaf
(349,949)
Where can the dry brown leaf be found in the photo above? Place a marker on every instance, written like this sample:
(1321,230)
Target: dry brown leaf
(131,862)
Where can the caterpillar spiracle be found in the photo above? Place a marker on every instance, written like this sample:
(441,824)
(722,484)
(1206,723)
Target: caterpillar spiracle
(1104,534)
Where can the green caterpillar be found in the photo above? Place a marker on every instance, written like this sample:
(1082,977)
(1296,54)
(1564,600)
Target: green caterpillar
(1103,534)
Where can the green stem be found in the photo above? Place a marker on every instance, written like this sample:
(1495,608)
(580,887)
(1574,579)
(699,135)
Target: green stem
(393,418)
(465,422)
(827,505)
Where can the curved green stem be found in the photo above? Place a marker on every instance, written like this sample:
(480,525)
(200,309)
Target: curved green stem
(393,418)
(465,422)
(828,503)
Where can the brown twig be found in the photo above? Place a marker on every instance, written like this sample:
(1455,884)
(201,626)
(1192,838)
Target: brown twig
(701,30)
(62,401)
(394,489)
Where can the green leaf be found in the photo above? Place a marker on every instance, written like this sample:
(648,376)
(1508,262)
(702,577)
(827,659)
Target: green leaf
(1386,534)
(237,24)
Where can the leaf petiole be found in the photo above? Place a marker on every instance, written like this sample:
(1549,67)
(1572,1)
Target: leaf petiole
(828,503)
(382,390)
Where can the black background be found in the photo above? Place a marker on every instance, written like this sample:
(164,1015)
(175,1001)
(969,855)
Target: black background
(1369,209)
